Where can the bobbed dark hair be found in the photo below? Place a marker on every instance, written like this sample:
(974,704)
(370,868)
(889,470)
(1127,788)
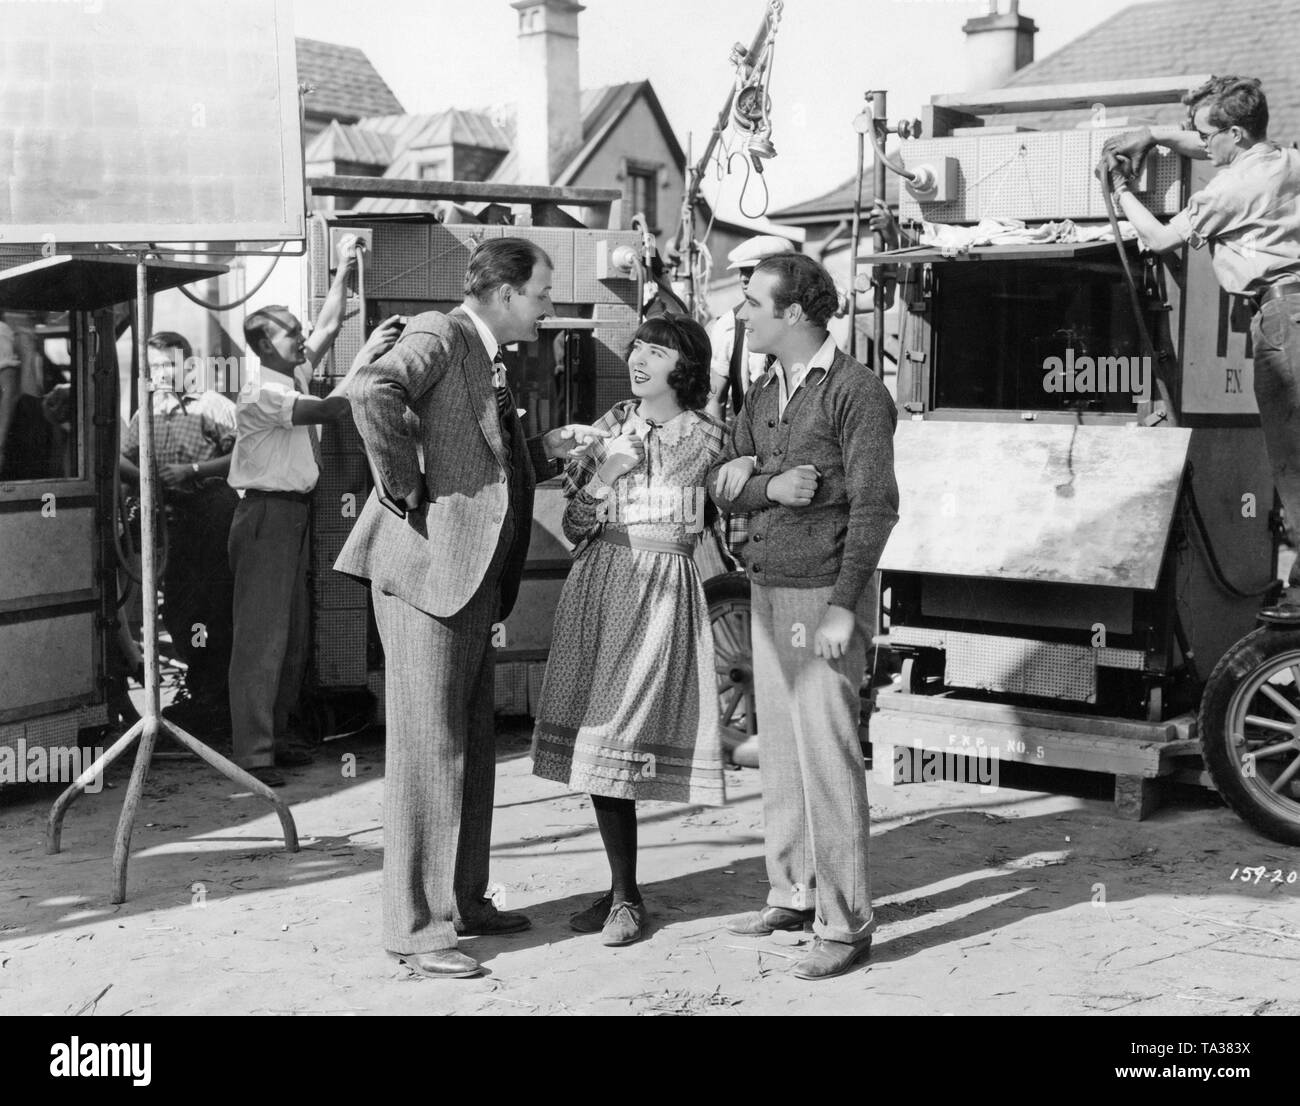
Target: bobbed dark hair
(690,379)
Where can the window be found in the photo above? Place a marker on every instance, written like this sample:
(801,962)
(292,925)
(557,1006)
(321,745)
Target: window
(643,194)
(435,169)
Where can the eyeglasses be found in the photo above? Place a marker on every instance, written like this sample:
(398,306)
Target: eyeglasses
(1205,138)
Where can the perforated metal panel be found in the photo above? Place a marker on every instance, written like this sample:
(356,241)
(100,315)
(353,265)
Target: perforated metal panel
(624,314)
(1161,186)
(341,436)
(343,475)
(1019,177)
(511,691)
(558,244)
(956,210)
(396,266)
(318,252)
(13,256)
(333,591)
(1033,176)
(339,647)
(448,257)
(536,674)
(347,344)
(611,342)
(586,287)
(1019,666)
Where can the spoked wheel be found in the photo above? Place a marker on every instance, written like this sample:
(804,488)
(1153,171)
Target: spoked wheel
(728,598)
(1249,726)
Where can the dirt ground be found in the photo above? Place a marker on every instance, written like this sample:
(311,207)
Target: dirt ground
(1012,902)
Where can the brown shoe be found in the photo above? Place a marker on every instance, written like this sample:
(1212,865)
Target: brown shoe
(592,920)
(759,923)
(831,958)
(495,924)
(625,924)
(440,964)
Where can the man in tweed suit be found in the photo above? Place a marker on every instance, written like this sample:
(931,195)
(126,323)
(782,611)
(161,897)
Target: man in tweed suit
(440,425)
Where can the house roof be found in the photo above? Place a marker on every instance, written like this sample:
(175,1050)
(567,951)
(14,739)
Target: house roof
(834,205)
(350,142)
(1249,38)
(345,85)
(602,109)
(1255,38)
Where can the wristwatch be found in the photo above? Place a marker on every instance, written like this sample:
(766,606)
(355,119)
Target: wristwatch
(195,466)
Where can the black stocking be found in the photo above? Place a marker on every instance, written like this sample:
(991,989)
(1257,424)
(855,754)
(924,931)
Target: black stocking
(616,819)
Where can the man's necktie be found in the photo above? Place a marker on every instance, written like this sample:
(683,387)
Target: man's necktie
(505,403)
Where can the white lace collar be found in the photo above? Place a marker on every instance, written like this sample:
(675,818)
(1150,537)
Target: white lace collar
(670,432)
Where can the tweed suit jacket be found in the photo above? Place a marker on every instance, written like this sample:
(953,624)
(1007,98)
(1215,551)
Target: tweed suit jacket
(427,412)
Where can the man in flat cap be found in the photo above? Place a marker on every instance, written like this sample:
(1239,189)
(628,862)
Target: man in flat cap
(733,367)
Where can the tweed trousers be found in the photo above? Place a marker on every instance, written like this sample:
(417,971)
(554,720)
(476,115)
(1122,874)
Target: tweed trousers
(439,764)
(815,816)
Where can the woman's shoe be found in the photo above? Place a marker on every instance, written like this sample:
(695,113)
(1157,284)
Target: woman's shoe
(592,920)
(625,924)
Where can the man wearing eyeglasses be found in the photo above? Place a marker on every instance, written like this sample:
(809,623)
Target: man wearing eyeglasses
(1249,215)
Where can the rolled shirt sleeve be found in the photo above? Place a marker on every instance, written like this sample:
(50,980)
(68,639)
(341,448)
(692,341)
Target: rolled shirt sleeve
(1208,212)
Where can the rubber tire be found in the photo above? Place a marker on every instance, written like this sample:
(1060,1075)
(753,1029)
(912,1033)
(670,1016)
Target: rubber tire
(1236,666)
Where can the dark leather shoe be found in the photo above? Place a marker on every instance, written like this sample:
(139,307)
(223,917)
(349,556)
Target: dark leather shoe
(292,756)
(496,924)
(831,958)
(760,923)
(592,920)
(441,964)
(267,775)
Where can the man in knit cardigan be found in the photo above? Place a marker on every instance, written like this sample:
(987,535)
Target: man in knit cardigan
(811,456)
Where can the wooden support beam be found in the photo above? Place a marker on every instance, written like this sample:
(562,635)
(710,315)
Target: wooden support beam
(1066,97)
(460,191)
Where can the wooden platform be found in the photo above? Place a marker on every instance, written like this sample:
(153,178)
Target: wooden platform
(1140,755)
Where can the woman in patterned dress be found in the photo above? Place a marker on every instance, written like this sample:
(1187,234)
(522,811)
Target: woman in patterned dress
(629,703)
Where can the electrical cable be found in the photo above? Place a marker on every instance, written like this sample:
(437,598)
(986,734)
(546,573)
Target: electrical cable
(1212,560)
(740,202)
(901,171)
(242,299)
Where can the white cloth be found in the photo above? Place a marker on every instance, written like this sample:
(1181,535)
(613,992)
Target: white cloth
(952,240)
(271,454)
(822,360)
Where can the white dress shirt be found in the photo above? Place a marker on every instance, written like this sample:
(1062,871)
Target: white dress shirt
(822,359)
(271,454)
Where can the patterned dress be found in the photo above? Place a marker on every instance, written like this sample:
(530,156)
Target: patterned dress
(629,703)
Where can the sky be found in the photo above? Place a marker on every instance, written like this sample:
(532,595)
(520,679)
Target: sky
(443,53)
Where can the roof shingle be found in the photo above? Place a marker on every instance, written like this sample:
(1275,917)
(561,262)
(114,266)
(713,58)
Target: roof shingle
(346,86)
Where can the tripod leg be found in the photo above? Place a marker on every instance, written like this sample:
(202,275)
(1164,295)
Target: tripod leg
(126,821)
(233,772)
(54,826)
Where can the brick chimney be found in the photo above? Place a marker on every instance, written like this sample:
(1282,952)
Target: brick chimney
(549,119)
(997,44)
